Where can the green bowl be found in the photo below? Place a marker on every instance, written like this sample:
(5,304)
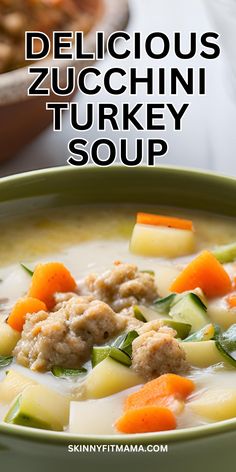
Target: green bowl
(204,448)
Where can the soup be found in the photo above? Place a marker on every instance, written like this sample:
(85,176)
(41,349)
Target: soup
(111,325)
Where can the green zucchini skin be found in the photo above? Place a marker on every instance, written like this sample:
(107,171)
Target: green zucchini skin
(146,314)
(226,344)
(190,309)
(204,334)
(226,253)
(101,353)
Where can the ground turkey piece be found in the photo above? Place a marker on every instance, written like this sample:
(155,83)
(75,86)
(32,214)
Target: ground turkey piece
(157,352)
(64,338)
(122,287)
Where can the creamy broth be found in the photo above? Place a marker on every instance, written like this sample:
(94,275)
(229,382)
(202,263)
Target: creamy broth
(90,239)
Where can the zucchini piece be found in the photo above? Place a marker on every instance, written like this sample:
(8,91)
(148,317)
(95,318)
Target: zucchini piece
(138,314)
(39,407)
(144,313)
(204,334)
(226,344)
(13,384)
(161,241)
(190,309)
(99,353)
(217,405)
(182,329)
(226,253)
(18,415)
(120,356)
(109,377)
(148,314)
(202,354)
(163,305)
(8,339)
(124,341)
(126,344)
(120,351)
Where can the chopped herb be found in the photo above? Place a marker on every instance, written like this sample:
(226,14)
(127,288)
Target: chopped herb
(150,272)
(5,361)
(26,269)
(61,372)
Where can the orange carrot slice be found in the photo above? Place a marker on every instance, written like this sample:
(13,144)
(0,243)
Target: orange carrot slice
(48,279)
(22,307)
(205,272)
(161,391)
(145,420)
(161,220)
(231,300)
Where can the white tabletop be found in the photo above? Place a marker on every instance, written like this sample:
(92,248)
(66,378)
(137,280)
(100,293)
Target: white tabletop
(208,138)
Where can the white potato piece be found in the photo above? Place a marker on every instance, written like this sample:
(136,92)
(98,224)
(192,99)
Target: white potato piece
(164,276)
(96,416)
(161,241)
(108,377)
(202,353)
(216,405)
(13,384)
(219,313)
(8,339)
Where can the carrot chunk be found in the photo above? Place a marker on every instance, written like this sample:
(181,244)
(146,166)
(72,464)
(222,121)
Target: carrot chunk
(22,307)
(161,391)
(205,272)
(231,300)
(161,220)
(145,420)
(48,279)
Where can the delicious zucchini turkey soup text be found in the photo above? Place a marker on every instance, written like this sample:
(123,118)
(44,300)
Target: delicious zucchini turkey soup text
(117,81)
(118,326)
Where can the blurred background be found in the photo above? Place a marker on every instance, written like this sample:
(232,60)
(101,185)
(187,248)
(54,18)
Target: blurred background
(208,138)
